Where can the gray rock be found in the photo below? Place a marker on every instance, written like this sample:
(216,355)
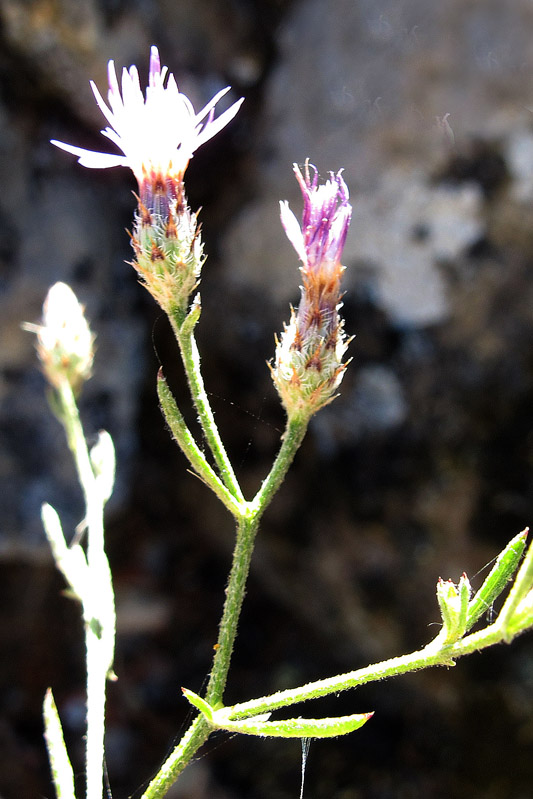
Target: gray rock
(388,91)
(404,229)
(375,405)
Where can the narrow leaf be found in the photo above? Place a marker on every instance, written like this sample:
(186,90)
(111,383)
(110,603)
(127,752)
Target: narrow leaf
(295,728)
(60,766)
(199,703)
(522,586)
(464,592)
(191,320)
(71,561)
(502,571)
(188,445)
(449,609)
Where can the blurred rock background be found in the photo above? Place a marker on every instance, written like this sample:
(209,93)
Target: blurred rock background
(422,467)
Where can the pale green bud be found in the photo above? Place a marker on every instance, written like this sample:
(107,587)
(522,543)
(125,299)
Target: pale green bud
(453,602)
(307,371)
(168,252)
(65,344)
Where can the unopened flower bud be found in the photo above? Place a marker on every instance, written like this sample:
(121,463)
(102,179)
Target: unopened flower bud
(65,344)
(168,249)
(453,602)
(308,365)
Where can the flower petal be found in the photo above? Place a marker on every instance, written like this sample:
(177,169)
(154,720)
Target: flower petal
(292,229)
(90,158)
(157,131)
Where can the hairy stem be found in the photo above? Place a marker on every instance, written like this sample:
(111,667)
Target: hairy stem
(180,757)
(292,438)
(98,605)
(247,526)
(431,655)
(242,556)
(191,361)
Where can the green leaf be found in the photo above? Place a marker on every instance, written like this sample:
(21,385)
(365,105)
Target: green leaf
(292,728)
(95,626)
(287,728)
(199,703)
(189,447)
(522,587)
(464,591)
(61,768)
(191,320)
(447,599)
(502,571)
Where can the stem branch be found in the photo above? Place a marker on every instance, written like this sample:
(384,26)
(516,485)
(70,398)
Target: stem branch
(431,655)
(292,438)
(191,361)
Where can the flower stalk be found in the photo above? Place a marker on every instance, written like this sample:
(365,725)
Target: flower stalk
(184,332)
(189,447)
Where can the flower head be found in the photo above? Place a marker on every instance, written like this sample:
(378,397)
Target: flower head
(157,132)
(65,344)
(308,366)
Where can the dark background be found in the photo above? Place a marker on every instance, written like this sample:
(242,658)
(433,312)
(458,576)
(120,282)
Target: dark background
(422,467)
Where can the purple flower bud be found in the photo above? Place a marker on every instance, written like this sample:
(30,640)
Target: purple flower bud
(320,239)
(308,366)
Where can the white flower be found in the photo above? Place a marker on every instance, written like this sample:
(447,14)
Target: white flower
(157,134)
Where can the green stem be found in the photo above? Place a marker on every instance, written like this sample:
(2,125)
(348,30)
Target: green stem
(199,730)
(246,532)
(181,756)
(292,438)
(70,418)
(247,527)
(431,655)
(240,567)
(96,700)
(184,333)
